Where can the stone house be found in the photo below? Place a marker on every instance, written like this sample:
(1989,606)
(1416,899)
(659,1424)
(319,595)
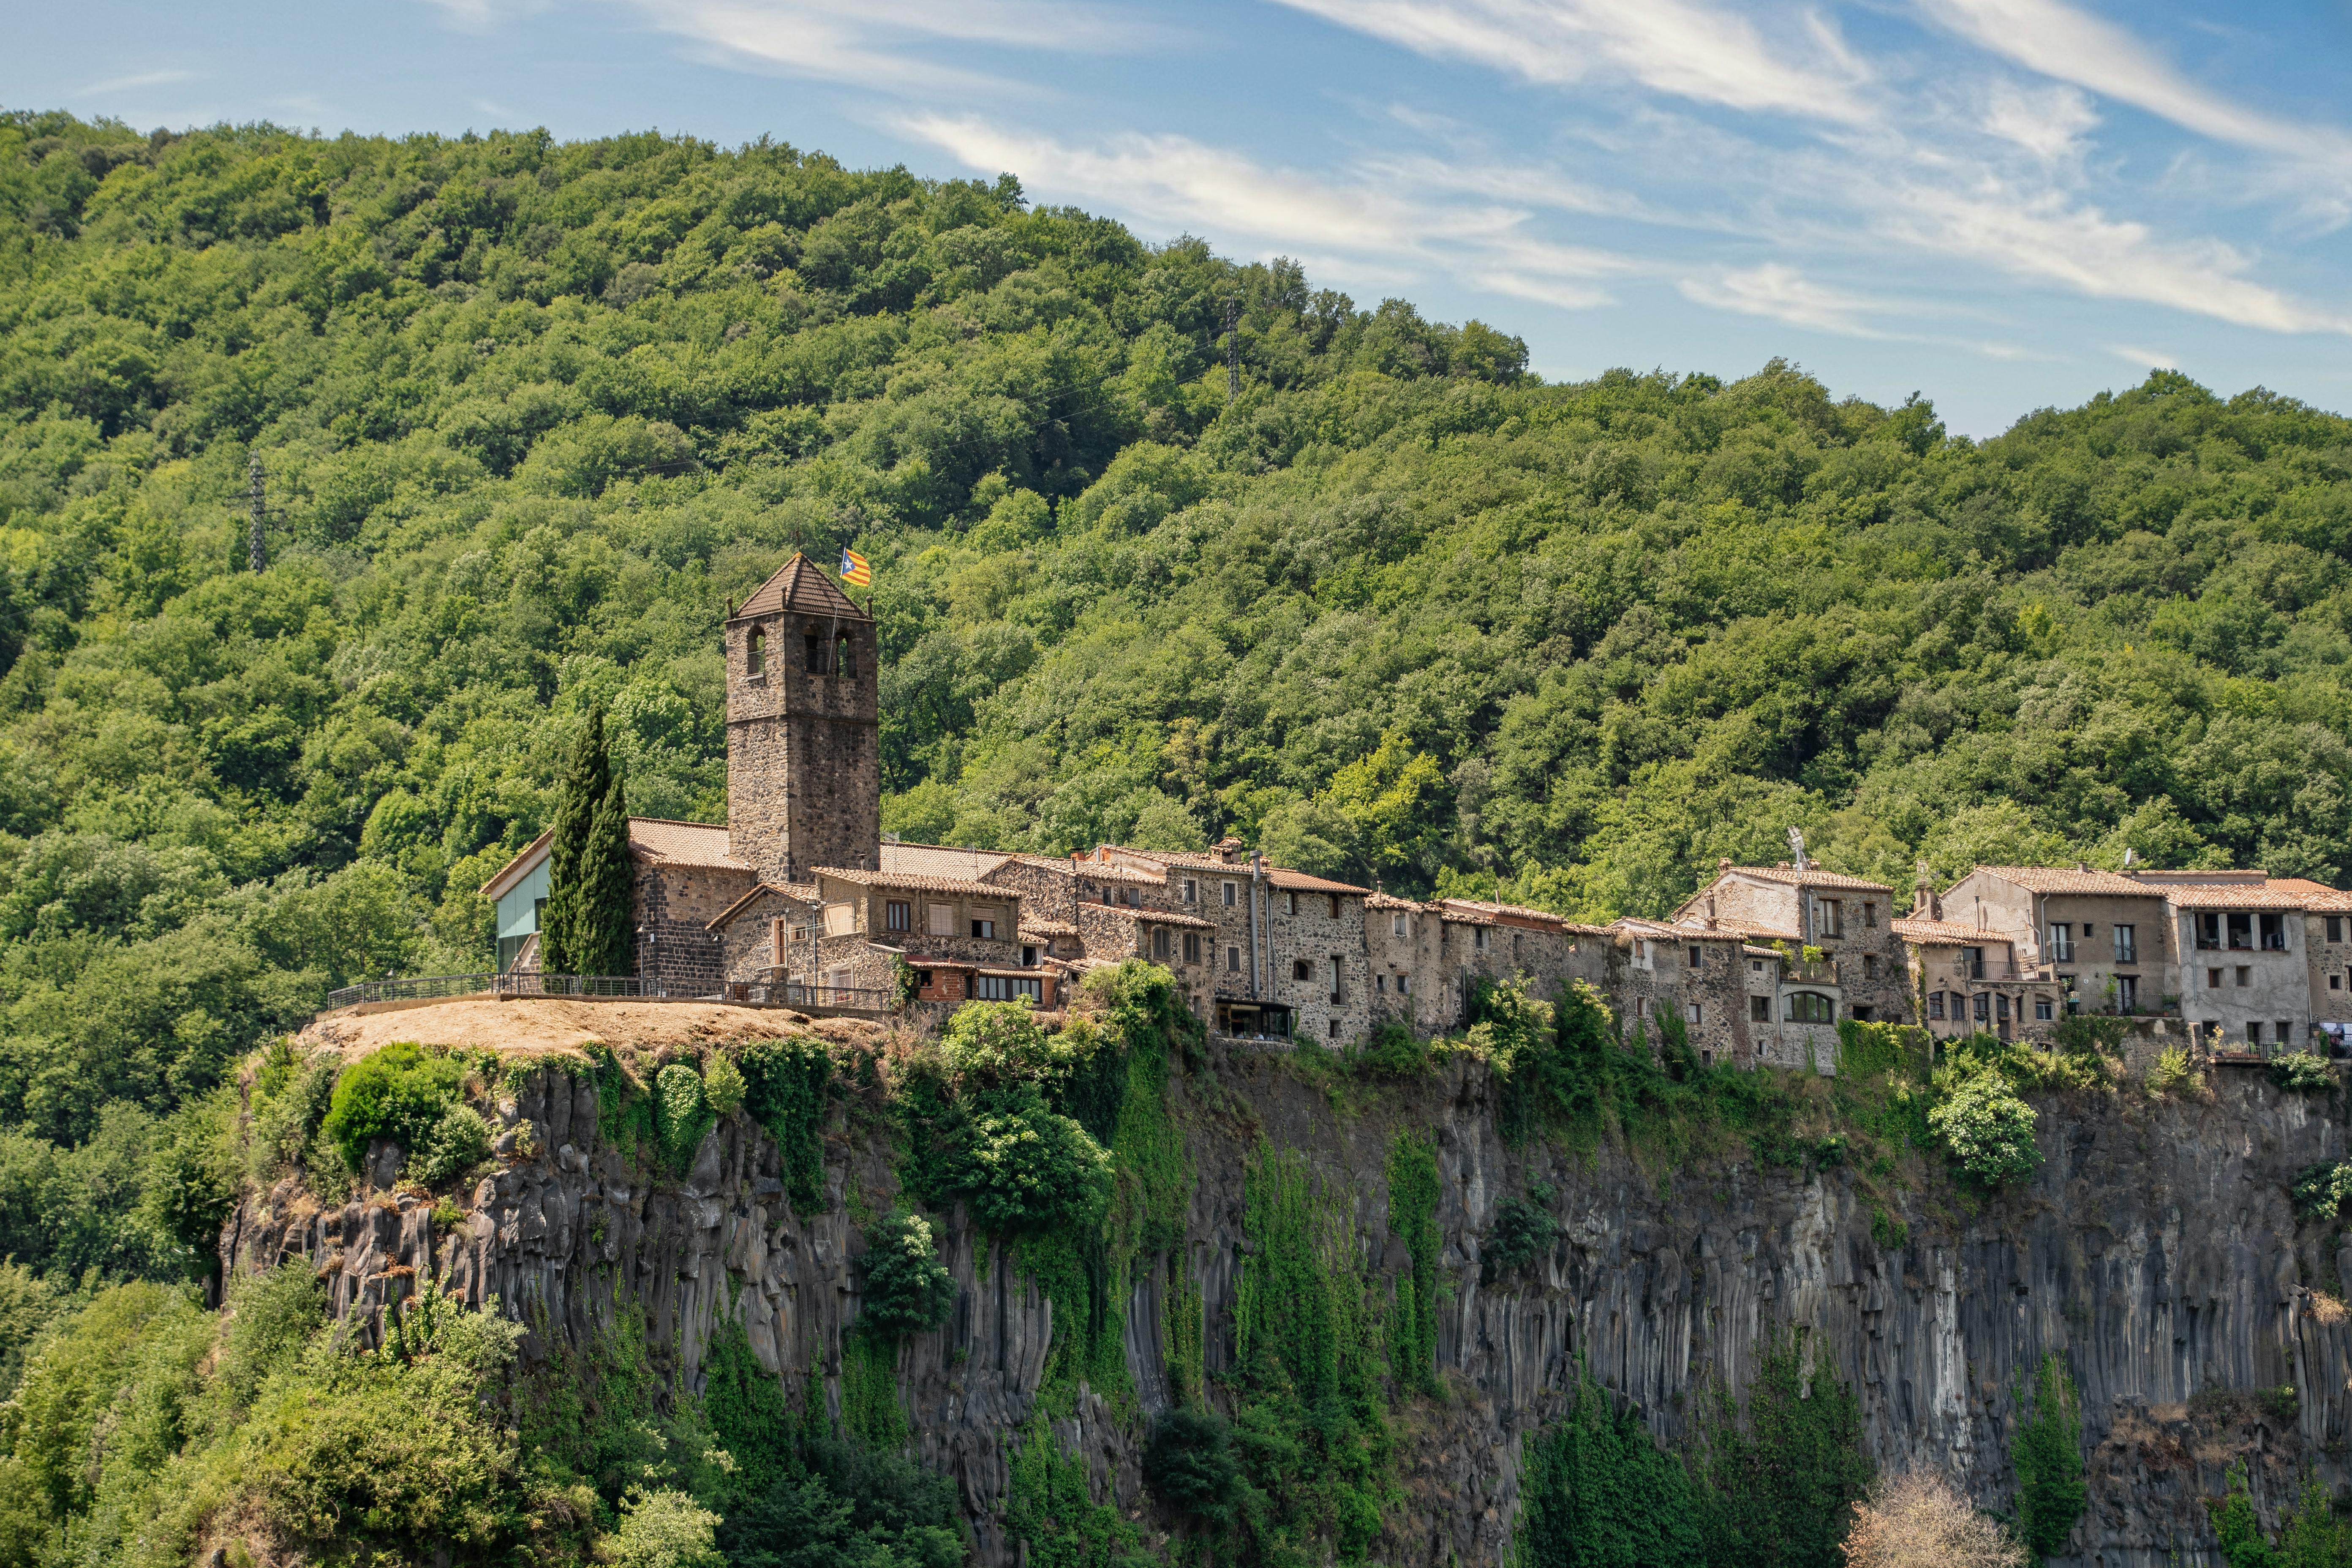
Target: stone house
(1849,919)
(683,876)
(2247,971)
(2099,938)
(873,920)
(1968,978)
(1693,973)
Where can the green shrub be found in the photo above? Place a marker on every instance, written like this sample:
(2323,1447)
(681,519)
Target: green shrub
(2321,1189)
(1779,1487)
(2171,1073)
(1988,1130)
(785,1088)
(907,1289)
(1394,1051)
(682,1114)
(2090,1034)
(723,1085)
(1025,1168)
(993,1045)
(1189,1464)
(401,1092)
(2047,1454)
(666,1529)
(1412,1180)
(1596,1492)
(2302,1072)
(458,1141)
(1523,1232)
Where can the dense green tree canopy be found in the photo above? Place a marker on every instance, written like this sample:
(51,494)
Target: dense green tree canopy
(532,413)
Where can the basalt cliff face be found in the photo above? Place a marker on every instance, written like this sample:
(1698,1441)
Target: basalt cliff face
(2157,1252)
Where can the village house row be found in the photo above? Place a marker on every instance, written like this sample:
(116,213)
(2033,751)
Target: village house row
(800,889)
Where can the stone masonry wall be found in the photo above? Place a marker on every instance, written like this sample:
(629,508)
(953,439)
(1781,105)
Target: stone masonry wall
(804,759)
(675,906)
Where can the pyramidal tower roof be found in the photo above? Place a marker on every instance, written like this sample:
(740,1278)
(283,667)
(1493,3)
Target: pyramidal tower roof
(799,585)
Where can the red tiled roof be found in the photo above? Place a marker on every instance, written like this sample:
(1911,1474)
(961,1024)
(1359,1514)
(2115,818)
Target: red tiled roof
(2069,879)
(1504,911)
(916,883)
(1278,877)
(1165,917)
(2280,895)
(1946,933)
(1046,927)
(1771,932)
(940,861)
(683,843)
(1811,876)
(799,585)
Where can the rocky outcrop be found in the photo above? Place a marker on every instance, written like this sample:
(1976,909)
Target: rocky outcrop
(2157,1252)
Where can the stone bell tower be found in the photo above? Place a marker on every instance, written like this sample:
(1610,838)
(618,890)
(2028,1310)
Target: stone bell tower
(804,755)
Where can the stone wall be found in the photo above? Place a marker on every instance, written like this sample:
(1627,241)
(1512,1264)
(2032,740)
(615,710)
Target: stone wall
(804,759)
(675,906)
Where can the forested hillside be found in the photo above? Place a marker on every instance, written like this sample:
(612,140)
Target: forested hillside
(530,413)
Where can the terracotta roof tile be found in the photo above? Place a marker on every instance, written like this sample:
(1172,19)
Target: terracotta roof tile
(2246,896)
(683,843)
(1811,876)
(916,883)
(1946,933)
(1277,876)
(2069,879)
(940,861)
(798,585)
(1046,927)
(1505,912)
(1165,917)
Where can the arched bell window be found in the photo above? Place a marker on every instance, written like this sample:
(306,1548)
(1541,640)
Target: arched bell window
(755,655)
(844,654)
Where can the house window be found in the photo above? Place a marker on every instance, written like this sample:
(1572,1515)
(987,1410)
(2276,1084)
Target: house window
(1290,903)
(922,980)
(1006,988)
(2254,1034)
(845,656)
(1934,1005)
(1335,905)
(939,919)
(755,655)
(1972,963)
(1404,984)
(1698,956)
(1396,925)
(2212,980)
(1191,947)
(2274,933)
(2001,1006)
(2335,928)
(1755,966)
(1869,966)
(840,919)
(1380,982)
(2335,983)
(984,926)
(1810,1008)
(2042,1008)
(1334,1028)
(1028,955)
(1233,958)
(1829,918)
(2244,971)
(1982,1008)
(898,915)
(2062,943)
(2127,943)
(2286,1036)
(1759,1009)
(1229,895)
(1869,916)
(1478,938)
(1159,943)
(1300,969)
(2209,930)
(1191,892)
(2241,928)
(2126,994)
(1690,1013)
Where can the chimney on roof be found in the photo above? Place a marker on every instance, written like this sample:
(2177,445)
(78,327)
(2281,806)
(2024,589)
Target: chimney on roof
(1710,909)
(1926,904)
(1227,847)
(2082,865)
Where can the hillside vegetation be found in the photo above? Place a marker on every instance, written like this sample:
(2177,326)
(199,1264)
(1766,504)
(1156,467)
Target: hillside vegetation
(529,414)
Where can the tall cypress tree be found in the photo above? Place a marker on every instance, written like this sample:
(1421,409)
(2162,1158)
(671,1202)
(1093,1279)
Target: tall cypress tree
(589,918)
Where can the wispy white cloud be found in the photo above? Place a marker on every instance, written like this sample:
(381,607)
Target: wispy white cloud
(2067,44)
(135,80)
(1696,51)
(486,15)
(1784,294)
(2047,236)
(2050,123)
(2145,359)
(1178,183)
(889,45)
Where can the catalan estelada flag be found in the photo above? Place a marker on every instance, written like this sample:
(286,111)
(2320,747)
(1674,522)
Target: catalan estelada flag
(855,571)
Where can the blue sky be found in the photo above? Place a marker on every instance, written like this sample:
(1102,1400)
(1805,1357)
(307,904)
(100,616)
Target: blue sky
(2005,204)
